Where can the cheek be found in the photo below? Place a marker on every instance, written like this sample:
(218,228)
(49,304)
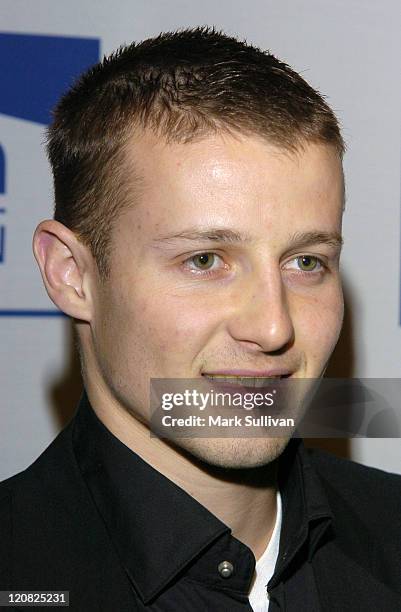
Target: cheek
(158,328)
(319,323)
(177,325)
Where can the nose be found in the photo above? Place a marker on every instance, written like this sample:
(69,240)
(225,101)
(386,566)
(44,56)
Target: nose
(261,314)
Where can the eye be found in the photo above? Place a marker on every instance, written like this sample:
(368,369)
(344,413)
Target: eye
(307,263)
(206,263)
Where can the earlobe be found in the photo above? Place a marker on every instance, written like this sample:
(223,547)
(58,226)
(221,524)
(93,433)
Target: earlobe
(61,262)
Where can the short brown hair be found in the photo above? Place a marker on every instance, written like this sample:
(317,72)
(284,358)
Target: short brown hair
(181,85)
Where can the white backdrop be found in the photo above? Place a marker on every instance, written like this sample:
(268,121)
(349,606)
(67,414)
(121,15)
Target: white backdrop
(348,49)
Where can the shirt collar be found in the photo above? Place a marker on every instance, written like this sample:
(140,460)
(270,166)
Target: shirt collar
(306,511)
(146,514)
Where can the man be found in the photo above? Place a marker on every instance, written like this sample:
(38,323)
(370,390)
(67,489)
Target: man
(199,196)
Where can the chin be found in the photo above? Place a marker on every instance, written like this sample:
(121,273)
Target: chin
(234,453)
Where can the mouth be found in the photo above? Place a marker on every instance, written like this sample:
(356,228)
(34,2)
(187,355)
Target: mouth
(248,381)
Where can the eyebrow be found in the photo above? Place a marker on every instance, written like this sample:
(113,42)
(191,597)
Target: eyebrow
(227,235)
(213,234)
(304,239)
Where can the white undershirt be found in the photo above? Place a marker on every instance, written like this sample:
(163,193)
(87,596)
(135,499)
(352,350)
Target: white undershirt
(264,569)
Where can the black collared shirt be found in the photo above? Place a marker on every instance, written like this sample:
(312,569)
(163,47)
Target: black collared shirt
(171,546)
(92,518)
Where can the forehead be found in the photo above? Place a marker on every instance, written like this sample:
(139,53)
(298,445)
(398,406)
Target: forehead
(241,180)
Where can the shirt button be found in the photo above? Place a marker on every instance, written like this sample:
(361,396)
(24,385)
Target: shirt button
(225,569)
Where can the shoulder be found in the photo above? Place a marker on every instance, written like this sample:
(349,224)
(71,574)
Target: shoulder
(363,543)
(46,491)
(370,493)
(346,472)
(47,520)
(50,490)
(29,499)
(51,534)
(52,465)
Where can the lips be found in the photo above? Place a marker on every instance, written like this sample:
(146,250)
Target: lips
(245,380)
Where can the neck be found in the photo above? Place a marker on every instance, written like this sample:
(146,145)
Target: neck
(243,499)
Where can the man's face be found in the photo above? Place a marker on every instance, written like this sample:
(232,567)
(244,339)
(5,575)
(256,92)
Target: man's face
(185,299)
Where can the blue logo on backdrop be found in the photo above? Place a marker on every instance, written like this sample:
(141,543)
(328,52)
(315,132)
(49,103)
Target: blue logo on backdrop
(2,209)
(35,71)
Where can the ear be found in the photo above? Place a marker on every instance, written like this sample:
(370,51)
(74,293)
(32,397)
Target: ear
(67,268)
